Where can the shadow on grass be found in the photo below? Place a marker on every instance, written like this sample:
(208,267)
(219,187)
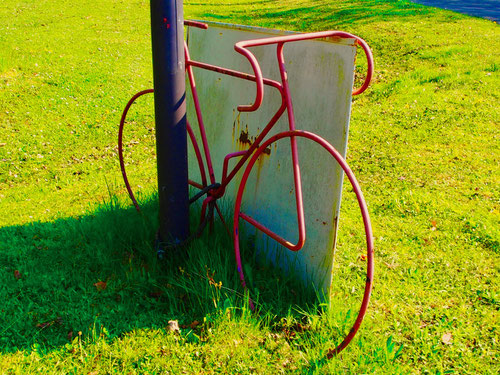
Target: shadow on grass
(99,275)
(323,15)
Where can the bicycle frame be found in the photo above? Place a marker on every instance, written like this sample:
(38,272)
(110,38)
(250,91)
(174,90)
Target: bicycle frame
(286,106)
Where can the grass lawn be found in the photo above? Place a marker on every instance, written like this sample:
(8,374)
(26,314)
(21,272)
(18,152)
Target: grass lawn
(81,287)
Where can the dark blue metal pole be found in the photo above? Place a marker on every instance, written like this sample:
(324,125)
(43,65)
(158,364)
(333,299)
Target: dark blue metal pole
(167,34)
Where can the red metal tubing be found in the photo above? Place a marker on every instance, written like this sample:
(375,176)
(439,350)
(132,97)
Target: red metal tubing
(198,154)
(120,145)
(197,24)
(241,47)
(199,116)
(258,79)
(195,184)
(289,245)
(364,213)
(295,153)
(233,73)
(226,161)
(121,156)
(369,70)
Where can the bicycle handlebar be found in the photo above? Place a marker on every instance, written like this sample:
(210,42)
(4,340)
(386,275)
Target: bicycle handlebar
(258,79)
(241,47)
(198,24)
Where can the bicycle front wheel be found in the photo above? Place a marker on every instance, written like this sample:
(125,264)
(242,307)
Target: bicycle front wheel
(240,216)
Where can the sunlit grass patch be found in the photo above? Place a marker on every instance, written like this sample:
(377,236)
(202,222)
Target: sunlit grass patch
(82,288)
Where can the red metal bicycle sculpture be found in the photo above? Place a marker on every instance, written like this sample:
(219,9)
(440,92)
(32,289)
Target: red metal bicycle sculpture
(215,190)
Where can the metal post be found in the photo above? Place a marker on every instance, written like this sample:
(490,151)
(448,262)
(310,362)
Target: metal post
(167,34)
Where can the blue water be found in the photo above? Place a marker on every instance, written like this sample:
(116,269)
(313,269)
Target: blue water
(489,9)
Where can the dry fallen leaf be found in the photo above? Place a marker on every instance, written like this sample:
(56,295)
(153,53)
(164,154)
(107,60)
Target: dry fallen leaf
(447,338)
(17,274)
(434,225)
(44,325)
(58,321)
(101,285)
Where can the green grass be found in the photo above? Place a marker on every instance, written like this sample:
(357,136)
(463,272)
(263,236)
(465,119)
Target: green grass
(423,143)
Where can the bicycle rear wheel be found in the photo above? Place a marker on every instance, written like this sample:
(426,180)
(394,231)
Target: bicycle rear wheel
(194,143)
